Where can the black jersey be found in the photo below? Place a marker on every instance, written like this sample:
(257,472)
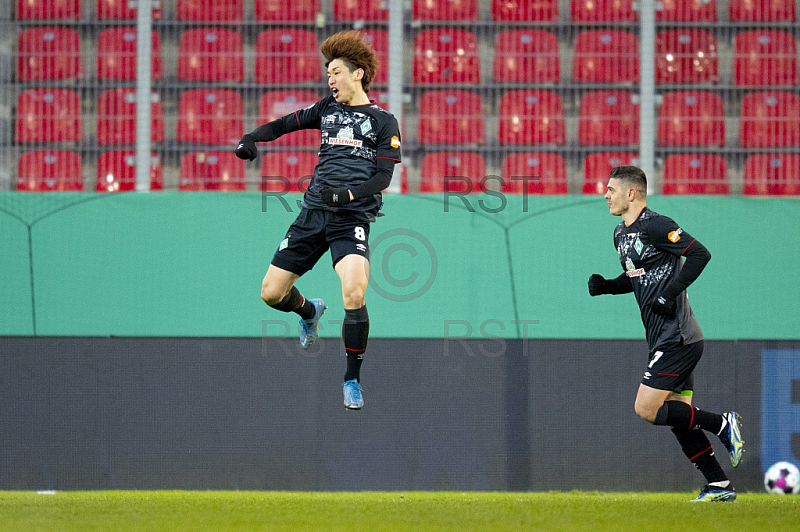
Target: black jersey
(650,251)
(354,137)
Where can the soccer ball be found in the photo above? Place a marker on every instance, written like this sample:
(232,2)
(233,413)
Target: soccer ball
(782,478)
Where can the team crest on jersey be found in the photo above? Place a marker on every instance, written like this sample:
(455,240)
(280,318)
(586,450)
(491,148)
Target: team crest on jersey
(675,235)
(638,246)
(631,270)
(366,127)
(345,138)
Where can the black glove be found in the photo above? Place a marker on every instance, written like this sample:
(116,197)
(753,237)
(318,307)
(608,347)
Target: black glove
(335,197)
(247,148)
(598,285)
(663,305)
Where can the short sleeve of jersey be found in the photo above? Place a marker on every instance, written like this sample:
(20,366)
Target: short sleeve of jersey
(311,116)
(666,234)
(389,140)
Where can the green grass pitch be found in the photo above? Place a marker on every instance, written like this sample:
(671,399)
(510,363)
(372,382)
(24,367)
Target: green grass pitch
(222,511)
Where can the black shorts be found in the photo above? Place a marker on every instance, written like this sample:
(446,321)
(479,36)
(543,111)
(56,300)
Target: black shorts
(314,232)
(671,367)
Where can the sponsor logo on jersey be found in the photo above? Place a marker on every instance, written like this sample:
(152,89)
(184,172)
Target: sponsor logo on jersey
(395,142)
(632,271)
(675,235)
(345,138)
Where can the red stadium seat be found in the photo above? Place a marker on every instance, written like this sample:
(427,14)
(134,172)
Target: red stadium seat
(688,11)
(116,117)
(49,171)
(544,173)
(762,11)
(525,10)
(49,115)
(602,11)
(212,170)
(765,58)
(526,56)
(451,117)
(597,166)
(608,117)
(373,10)
(276,104)
(606,56)
(211,54)
(772,175)
(460,10)
(116,54)
(691,119)
(123,9)
(286,10)
(452,171)
(531,117)
(287,56)
(769,119)
(48,9)
(379,40)
(116,172)
(287,171)
(48,53)
(209,116)
(695,174)
(686,56)
(446,56)
(211,10)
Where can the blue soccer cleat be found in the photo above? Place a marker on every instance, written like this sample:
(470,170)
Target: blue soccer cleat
(308,328)
(732,437)
(715,494)
(353,400)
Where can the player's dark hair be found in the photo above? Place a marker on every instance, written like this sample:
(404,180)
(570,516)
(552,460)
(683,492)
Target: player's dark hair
(354,51)
(632,177)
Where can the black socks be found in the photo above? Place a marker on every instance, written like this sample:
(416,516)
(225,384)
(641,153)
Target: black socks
(295,302)
(355,332)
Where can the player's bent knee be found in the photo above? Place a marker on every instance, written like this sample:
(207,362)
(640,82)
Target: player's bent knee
(354,298)
(270,296)
(646,412)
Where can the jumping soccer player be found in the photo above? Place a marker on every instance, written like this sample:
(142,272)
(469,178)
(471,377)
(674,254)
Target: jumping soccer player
(360,146)
(650,248)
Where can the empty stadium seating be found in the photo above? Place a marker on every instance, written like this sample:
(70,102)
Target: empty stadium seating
(451,117)
(534,173)
(762,11)
(116,172)
(211,54)
(452,171)
(524,10)
(769,119)
(526,56)
(372,10)
(48,115)
(687,11)
(209,116)
(48,9)
(446,55)
(599,11)
(531,117)
(286,10)
(686,55)
(48,53)
(116,117)
(606,56)
(772,175)
(608,117)
(765,58)
(210,10)
(379,40)
(450,10)
(116,54)
(287,55)
(49,171)
(123,9)
(691,118)
(597,166)
(211,170)
(695,174)
(287,171)
(276,104)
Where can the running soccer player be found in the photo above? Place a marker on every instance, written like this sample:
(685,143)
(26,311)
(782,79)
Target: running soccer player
(650,248)
(360,146)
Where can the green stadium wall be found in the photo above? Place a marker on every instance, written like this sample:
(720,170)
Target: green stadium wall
(191,264)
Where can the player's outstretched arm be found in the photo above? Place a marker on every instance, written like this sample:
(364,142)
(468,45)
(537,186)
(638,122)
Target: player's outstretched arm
(599,285)
(270,131)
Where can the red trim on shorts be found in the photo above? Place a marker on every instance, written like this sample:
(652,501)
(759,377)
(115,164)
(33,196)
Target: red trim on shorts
(691,421)
(701,452)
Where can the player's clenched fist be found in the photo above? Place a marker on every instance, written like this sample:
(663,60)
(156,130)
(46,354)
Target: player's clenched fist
(598,285)
(247,148)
